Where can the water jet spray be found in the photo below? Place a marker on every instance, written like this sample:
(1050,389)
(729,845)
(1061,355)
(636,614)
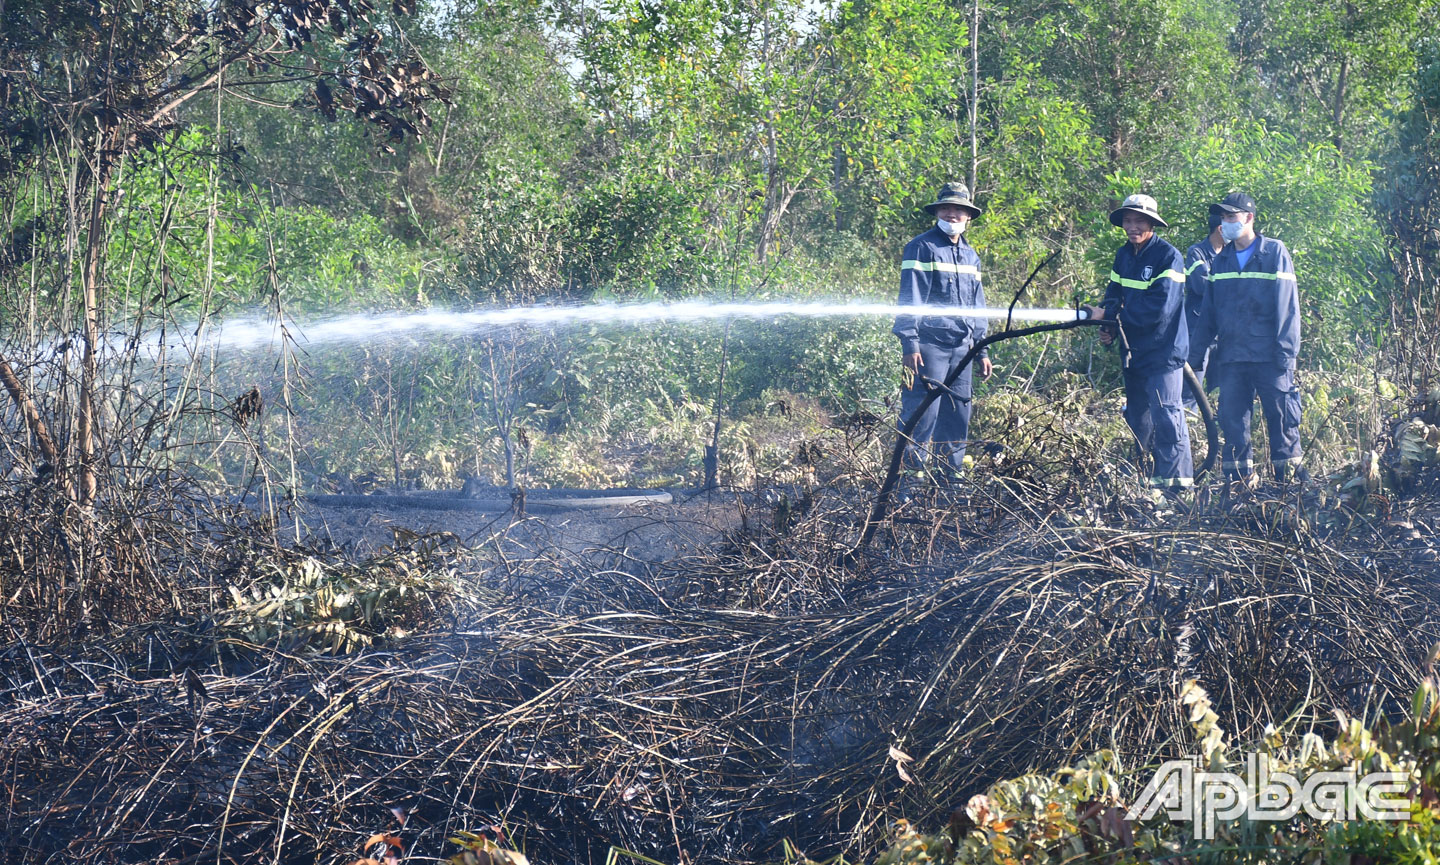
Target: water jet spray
(254,333)
(258,332)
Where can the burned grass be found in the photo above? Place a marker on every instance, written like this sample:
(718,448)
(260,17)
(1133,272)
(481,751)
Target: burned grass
(707,707)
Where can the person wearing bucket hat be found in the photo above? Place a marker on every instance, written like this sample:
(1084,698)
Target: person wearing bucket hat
(939,268)
(1145,298)
(1252,311)
(1197,281)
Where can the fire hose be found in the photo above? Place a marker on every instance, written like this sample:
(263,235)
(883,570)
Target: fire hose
(937,389)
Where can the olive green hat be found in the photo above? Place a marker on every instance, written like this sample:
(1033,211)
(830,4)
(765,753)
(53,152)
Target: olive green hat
(953,193)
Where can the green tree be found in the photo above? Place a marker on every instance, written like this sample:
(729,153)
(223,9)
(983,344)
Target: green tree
(91,84)
(1335,71)
(1145,73)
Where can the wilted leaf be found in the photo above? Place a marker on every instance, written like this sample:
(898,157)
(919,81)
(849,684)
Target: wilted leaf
(980,809)
(394,846)
(901,758)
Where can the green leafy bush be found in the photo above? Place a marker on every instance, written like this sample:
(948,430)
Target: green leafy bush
(308,604)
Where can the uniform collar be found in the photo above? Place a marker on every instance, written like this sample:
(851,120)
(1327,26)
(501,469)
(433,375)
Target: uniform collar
(1254,249)
(943,239)
(1144,247)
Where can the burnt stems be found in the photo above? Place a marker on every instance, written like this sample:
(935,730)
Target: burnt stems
(708,707)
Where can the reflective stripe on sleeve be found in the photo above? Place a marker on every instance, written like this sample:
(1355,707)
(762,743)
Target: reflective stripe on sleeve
(940,266)
(1128,283)
(1143,283)
(1191,269)
(1235,274)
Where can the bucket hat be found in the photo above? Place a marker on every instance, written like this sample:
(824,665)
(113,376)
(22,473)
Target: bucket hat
(953,193)
(1141,204)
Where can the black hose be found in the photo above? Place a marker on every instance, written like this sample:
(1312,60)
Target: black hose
(1212,428)
(892,475)
(498,500)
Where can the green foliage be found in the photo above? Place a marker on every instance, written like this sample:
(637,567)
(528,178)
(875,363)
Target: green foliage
(328,608)
(169,257)
(1142,72)
(1331,70)
(1044,158)
(893,75)
(1416,842)
(618,149)
(1079,812)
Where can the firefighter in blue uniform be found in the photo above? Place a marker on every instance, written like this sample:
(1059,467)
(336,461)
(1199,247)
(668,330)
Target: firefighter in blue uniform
(1146,299)
(1197,282)
(940,269)
(1252,310)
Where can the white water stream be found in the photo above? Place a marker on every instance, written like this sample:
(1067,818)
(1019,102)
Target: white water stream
(250,333)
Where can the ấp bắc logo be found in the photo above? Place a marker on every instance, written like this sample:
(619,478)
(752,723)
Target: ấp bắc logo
(1183,792)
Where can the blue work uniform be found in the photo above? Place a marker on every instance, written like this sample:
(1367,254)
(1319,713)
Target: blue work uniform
(1146,295)
(938,271)
(1197,283)
(1253,314)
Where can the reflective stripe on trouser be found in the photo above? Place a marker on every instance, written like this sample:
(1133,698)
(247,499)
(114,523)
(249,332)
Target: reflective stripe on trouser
(946,423)
(1152,408)
(1239,384)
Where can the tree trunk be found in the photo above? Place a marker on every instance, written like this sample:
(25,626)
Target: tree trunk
(768,218)
(777,201)
(86,435)
(1338,110)
(974,99)
(33,422)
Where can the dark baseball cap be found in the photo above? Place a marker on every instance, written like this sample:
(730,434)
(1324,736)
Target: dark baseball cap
(1237,202)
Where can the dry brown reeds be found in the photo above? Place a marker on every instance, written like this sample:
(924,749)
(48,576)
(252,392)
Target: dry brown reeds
(706,708)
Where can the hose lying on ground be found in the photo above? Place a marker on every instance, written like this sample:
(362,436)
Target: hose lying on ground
(500,499)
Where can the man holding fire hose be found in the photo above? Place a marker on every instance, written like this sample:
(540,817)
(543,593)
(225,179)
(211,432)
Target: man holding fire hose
(940,269)
(1252,310)
(1146,300)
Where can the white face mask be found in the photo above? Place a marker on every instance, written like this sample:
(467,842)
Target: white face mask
(1232,230)
(953,229)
